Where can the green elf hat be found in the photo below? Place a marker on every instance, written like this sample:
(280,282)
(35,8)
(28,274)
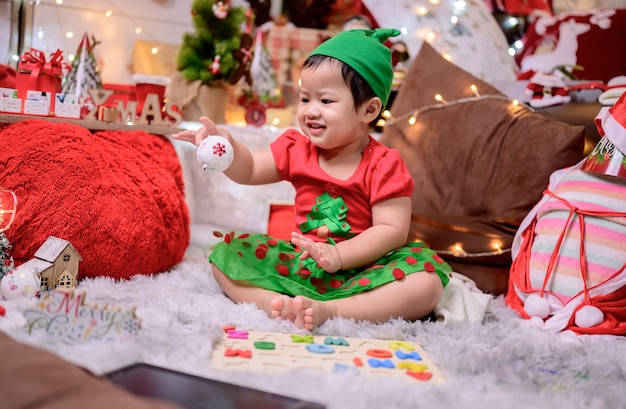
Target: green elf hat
(364,51)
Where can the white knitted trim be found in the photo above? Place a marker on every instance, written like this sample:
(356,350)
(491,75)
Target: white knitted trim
(151,79)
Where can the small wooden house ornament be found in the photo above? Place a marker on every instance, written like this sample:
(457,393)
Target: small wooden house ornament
(56,263)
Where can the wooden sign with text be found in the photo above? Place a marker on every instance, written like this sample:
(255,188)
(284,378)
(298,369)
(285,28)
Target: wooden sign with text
(151,112)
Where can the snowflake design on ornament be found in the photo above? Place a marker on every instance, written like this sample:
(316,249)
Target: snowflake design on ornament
(219,149)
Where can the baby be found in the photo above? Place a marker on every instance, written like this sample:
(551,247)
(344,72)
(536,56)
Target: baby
(348,255)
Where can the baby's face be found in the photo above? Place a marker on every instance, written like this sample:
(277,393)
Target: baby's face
(326,111)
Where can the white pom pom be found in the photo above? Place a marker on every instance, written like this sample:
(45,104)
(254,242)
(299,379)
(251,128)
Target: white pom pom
(537,306)
(215,153)
(536,322)
(588,316)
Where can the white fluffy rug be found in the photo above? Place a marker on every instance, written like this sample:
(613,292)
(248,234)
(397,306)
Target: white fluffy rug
(502,363)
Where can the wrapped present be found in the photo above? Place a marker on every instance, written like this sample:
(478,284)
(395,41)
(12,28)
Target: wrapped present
(108,114)
(609,155)
(35,73)
(289,46)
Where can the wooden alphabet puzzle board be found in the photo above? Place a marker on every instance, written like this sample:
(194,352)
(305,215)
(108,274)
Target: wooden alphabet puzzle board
(269,352)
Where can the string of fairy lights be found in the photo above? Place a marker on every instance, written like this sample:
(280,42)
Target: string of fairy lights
(411,117)
(458,251)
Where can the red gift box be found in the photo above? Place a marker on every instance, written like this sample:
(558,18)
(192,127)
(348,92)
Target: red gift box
(34,73)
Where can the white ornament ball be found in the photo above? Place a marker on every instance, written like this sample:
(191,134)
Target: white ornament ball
(19,283)
(537,306)
(588,316)
(216,153)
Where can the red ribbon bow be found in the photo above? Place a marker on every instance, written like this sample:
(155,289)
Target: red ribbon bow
(35,61)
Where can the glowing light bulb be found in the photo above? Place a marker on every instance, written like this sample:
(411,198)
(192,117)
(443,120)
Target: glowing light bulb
(109,13)
(497,246)
(138,30)
(69,34)
(439,98)
(474,90)
(154,50)
(412,119)
(457,250)
(386,114)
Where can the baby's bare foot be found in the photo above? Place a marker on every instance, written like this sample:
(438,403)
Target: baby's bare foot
(281,307)
(310,313)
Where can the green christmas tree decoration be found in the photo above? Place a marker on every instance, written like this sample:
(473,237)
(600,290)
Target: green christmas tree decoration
(330,212)
(208,54)
(85,73)
(6,261)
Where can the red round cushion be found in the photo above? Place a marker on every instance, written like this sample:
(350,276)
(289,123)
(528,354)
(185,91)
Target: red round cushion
(117,196)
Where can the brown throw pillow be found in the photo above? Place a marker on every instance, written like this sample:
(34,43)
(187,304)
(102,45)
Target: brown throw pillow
(478,166)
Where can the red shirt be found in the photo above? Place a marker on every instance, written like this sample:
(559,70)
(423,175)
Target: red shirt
(381,175)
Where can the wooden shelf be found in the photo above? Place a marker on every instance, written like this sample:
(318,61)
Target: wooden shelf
(94,125)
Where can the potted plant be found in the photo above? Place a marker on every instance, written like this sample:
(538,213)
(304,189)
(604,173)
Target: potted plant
(217,54)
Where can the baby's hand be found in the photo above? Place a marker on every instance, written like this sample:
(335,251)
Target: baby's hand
(326,255)
(197,136)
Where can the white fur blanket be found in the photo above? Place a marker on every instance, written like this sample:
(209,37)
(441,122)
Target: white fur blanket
(501,362)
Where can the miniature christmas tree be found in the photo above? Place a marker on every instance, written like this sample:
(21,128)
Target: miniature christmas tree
(85,73)
(264,82)
(6,261)
(214,51)
(263,91)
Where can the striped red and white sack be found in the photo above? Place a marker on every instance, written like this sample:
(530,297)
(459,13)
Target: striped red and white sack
(569,254)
